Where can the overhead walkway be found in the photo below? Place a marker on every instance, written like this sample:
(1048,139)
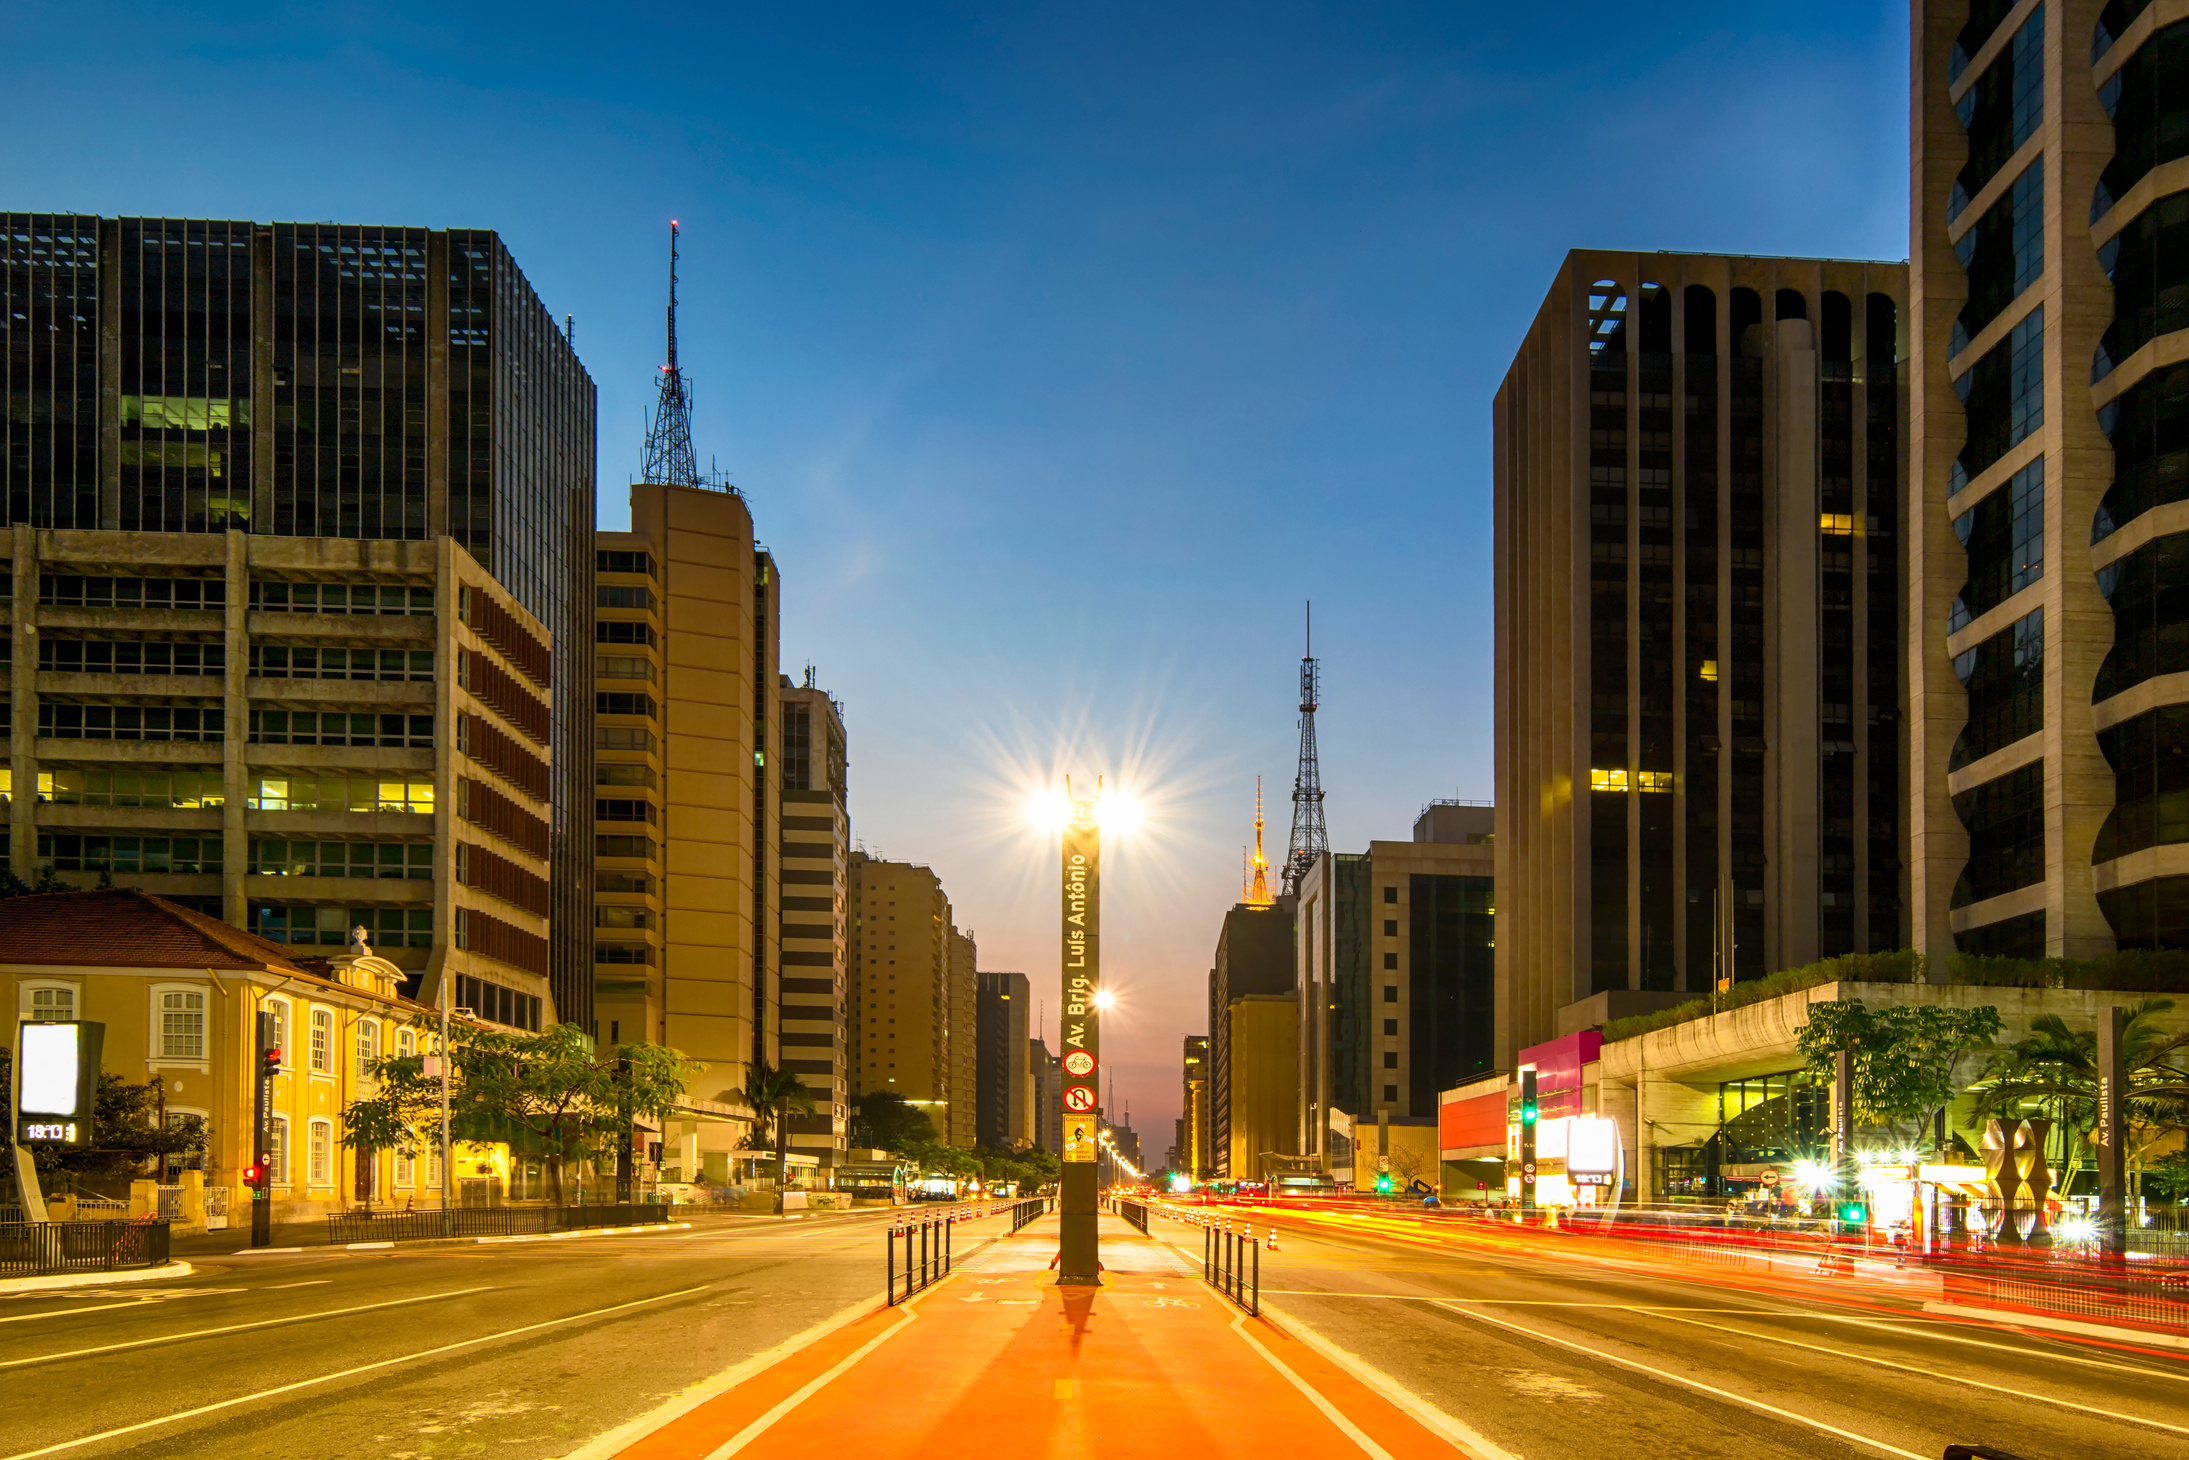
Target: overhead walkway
(997,1359)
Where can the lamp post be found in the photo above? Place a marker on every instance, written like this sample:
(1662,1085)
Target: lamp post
(1079,1261)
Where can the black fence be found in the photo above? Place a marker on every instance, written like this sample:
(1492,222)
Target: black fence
(1136,1214)
(1024,1213)
(488,1222)
(926,1254)
(1232,1264)
(31,1249)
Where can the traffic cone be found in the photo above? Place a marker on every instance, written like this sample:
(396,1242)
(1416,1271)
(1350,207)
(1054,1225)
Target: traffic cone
(1272,1239)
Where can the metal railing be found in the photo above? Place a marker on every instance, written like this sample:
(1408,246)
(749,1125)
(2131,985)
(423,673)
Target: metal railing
(926,1254)
(1025,1213)
(488,1222)
(28,1249)
(1231,1263)
(1136,1214)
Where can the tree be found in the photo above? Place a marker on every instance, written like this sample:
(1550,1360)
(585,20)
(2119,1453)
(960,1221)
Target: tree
(47,880)
(2056,1069)
(889,1122)
(1906,1060)
(573,1099)
(125,1121)
(773,1095)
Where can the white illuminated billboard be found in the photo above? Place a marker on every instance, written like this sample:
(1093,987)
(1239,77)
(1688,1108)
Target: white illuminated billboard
(1592,1146)
(53,1070)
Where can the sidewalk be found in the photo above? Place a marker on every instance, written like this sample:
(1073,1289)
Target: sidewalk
(998,1359)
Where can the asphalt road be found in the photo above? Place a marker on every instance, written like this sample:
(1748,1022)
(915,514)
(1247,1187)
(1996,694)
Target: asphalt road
(1554,1357)
(523,1350)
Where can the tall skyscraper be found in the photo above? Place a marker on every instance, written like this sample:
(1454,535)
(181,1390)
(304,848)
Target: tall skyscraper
(687,824)
(2050,286)
(303,522)
(816,926)
(1253,961)
(1701,654)
(904,952)
(1004,1060)
(1193,1147)
(961,1039)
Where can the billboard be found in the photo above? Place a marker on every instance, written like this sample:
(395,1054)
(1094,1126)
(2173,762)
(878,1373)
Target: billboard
(56,1080)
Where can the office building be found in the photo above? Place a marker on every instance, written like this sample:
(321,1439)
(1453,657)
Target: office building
(1396,979)
(1193,1137)
(2050,537)
(1254,959)
(1258,1095)
(302,518)
(816,931)
(687,940)
(1701,658)
(1004,1072)
(961,1035)
(1048,1080)
(901,952)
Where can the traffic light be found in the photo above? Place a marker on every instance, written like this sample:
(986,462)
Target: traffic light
(1383,1183)
(1530,1111)
(269,1061)
(1851,1211)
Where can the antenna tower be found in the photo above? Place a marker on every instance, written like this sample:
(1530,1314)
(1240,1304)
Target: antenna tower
(1256,892)
(669,455)
(1309,837)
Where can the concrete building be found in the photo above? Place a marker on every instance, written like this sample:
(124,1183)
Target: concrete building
(900,964)
(816,931)
(1395,981)
(2050,694)
(1004,1074)
(687,823)
(1048,1079)
(1254,958)
(1260,1082)
(302,518)
(1701,655)
(961,1040)
(1193,1138)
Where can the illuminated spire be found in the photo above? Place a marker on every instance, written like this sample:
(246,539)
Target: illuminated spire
(1257,890)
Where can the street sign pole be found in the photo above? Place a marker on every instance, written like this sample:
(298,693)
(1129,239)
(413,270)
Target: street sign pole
(1529,1112)
(2112,1136)
(262,1190)
(1079,1259)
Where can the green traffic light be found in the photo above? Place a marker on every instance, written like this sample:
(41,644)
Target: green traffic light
(1528,1114)
(1850,1213)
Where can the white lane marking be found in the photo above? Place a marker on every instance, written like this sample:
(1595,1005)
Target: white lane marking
(107,1348)
(615,1441)
(1330,1412)
(59,1312)
(1817,1348)
(1683,1381)
(1466,1437)
(1949,1333)
(260,1251)
(812,1387)
(426,1353)
(307,1283)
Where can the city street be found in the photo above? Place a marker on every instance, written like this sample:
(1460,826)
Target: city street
(523,1350)
(1550,1357)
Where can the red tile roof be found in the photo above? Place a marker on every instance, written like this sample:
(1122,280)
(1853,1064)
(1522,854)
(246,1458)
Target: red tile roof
(123,928)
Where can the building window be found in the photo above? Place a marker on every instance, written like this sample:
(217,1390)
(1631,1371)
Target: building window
(363,794)
(322,1153)
(615,915)
(1390,1094)
(48,1003)
(2146,423)
(97,852)
(612,561)
(2150,280)
(623,704)
(622,773)
(1390,993)
(630,953)
(190,595)
(2150,759)
(623,737)
(282,661)
(2005,678)
(1390,927)
(403,860)
(617,596)
(625,846)
(129,656)
(406,1170)
(2004,396)
(606,810)
(2005,818)
(2001,111)
(2149,594)
(2004,253)
(368,1047)
(622,667)
(279,1008)
(65,720)
(1390,894)
(406,1044)
(1390,960)
(322,1042)
(181,789)
(182,1024)
(277,1153)
(622,631)
(342,598)
(497,1003)
(329,927)
(1390,1059)
(2005,538)
(331,727)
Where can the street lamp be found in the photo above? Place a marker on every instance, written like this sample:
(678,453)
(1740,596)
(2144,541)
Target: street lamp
(1079,1261)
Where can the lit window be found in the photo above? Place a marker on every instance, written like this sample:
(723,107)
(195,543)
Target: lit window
(1709,670)
(322,1042)
(48,1005)
(1612,780)
(277,1150)
(368,1048)
(322,1154)
(1653,780)
(1836,524)
(182,1026)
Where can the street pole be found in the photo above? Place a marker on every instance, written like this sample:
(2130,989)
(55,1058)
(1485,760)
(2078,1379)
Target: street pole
(623,1155)
(2112,1134)
(1079,1258)
(1843,1130)
(448,1165)
(1529,1113)
(262,1190)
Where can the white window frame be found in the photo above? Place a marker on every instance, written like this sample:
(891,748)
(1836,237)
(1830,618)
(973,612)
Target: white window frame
(277,1155)
(319,1153)
(367,1045)
(28,991)
(406,1168)
(284,1021)
(319,1053)
(156,1022)
(176,1115)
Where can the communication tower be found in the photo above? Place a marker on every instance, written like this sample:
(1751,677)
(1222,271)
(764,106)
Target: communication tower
(1255,889)
(1310,839)
(669,455)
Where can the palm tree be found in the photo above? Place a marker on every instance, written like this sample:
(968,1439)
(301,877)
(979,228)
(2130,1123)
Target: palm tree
(774,1095)
(2056,1069)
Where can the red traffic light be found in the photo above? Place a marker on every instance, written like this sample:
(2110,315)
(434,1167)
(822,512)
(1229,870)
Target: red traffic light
(253,1175)
(272,1058)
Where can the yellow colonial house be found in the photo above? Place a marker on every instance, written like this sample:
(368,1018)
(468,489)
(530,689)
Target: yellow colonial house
(179,993)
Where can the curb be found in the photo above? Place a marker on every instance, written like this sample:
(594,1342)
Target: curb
(95,1279)
(2016,1318)
(426,1242)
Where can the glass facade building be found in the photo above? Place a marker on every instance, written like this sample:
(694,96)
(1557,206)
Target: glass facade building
(324,383)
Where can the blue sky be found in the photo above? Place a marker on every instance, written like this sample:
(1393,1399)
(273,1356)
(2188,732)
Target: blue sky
(1063,351)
